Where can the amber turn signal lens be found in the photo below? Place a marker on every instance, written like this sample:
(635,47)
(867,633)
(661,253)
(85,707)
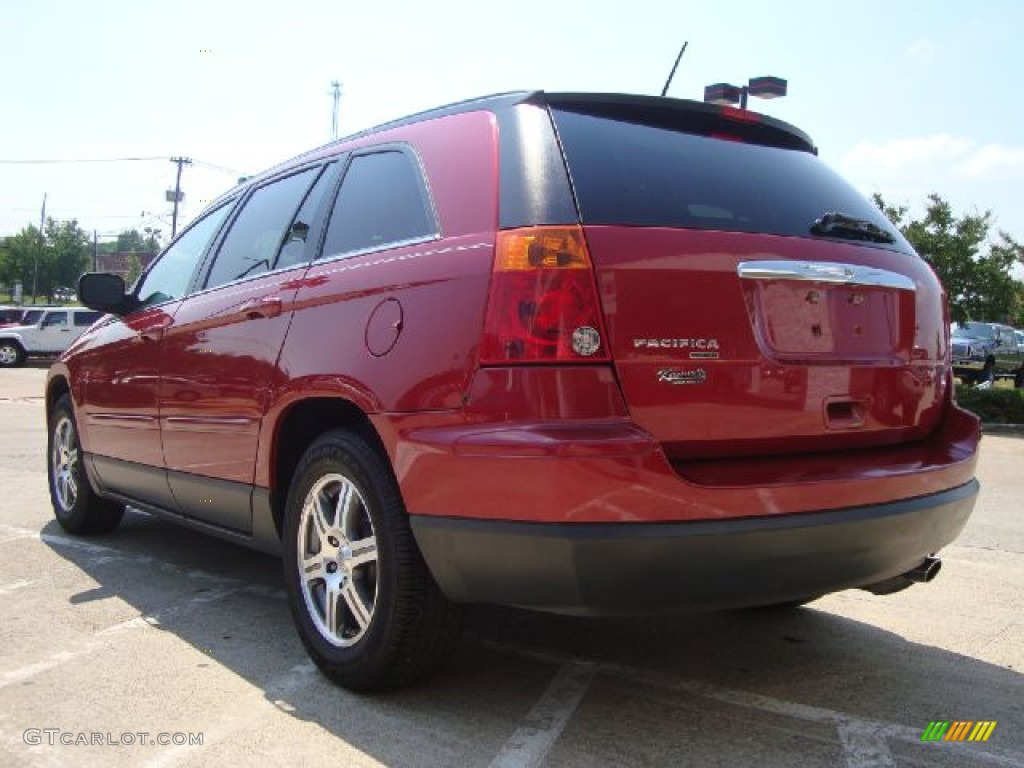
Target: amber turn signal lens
(541,248)
(543,305)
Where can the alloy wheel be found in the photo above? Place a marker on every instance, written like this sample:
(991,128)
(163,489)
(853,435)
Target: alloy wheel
(64,463)
(337,560)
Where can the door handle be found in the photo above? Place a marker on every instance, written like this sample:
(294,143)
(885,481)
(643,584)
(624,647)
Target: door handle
(269,306)
(154,331)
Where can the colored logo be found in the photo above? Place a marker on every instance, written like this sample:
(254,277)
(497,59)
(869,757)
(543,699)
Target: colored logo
(958,730)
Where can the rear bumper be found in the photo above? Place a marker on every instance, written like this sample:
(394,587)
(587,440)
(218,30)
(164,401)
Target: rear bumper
(635,568)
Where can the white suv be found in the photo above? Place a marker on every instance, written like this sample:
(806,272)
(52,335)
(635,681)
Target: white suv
(51,333)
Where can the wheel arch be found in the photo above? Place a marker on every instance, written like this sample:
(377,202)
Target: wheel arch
(56,387)
(295,430)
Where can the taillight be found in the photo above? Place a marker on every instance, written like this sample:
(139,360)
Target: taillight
(543,304)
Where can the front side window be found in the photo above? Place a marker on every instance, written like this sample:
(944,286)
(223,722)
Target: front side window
(170,276)
(258,232)
(294,250)
(383,201)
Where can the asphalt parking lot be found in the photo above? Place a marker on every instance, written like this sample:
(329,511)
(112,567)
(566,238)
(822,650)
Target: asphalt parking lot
(160,631)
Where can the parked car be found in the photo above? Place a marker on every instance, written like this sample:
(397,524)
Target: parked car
(10,315)
(984,352)
(43,333)
(590,354)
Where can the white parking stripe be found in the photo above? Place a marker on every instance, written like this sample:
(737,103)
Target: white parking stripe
(101,638)
(864,747)
(532,741)
(105,554)
(866,738)
(15,585)
(242,717)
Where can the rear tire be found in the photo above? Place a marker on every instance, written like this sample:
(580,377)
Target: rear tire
(364,603)
(11,354)
(77,507)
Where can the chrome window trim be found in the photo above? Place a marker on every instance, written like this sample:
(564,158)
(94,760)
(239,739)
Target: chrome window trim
(378,249)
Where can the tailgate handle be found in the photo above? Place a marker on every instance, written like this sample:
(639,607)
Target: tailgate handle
(824,272)
(843,413)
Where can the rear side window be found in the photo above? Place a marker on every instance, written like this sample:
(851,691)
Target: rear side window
(85,319)
(258,232)
(382,202)
(629,173)
(55,318)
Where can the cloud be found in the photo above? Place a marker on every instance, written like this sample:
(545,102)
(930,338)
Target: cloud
(922,50)
(939,156)
(993,161)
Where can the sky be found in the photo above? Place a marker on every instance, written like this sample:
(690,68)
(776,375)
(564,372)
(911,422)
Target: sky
(902,97)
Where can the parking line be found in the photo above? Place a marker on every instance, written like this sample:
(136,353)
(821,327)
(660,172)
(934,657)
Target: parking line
(864,747)
(282,687)
(862,739)
(15,585)
(105,554)
(532,740)
(101,638)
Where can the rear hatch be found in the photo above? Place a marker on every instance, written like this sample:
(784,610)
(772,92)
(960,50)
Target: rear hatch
(755,302)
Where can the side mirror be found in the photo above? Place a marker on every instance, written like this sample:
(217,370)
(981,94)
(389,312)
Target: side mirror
(103,292)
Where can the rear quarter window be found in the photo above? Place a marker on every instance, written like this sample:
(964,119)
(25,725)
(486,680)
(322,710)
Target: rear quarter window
(383,202)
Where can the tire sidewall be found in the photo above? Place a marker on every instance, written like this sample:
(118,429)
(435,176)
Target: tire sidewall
(75,514)
(335,454)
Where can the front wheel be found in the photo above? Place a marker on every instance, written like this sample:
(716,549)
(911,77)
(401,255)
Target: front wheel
(76,505)
(11,354)
(366,607)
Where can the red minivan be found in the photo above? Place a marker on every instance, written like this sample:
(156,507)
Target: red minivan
(583,353)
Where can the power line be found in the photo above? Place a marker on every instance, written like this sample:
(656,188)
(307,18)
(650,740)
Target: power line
(221,168)
(54,161)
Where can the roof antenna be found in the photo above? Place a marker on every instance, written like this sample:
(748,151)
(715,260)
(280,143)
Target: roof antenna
(673,72)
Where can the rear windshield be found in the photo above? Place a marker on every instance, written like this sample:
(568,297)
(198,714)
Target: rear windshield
(628,173)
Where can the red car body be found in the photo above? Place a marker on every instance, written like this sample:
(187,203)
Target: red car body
(768,416)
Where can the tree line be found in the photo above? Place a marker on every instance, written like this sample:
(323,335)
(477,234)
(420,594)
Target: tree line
(47,261)
(975,268)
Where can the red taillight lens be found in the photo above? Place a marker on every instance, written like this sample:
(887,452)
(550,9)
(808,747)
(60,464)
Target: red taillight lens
(543,304)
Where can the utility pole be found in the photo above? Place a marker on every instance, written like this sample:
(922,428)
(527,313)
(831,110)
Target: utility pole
(42,246)
(177,192)
(95,252)
(336,86)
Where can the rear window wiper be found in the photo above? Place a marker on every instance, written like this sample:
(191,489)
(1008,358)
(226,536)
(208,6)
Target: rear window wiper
(834,224)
